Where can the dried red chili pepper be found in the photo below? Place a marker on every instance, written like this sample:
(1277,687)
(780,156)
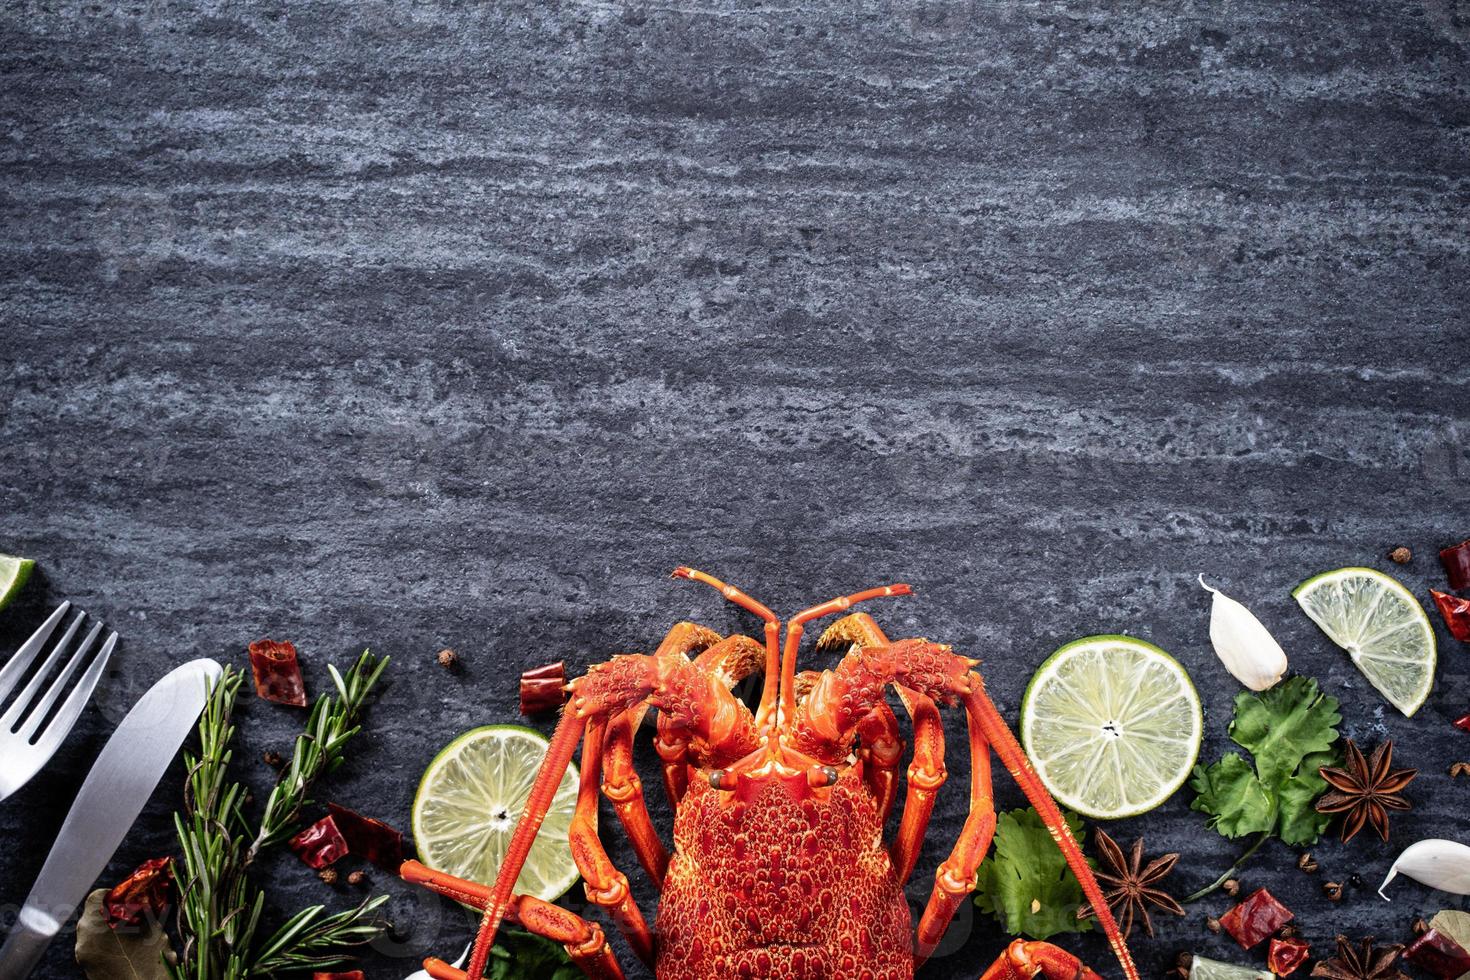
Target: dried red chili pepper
(343,975)
(1436,953)
(1255,918)
(146,892)
(1286,956)
(1463,724)
(1456,613)
(369,839)
(277,672)
(542,688)
(320,844)
(1456,562)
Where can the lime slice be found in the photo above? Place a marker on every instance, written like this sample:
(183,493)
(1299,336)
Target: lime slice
(13,575)
(469,803)
(1112,725)
(1381,626)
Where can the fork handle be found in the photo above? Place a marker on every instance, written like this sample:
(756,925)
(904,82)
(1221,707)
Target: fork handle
(25,945)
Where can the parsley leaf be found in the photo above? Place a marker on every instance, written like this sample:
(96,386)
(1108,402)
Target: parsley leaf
(521,956)
(1290,731)
(1026,883)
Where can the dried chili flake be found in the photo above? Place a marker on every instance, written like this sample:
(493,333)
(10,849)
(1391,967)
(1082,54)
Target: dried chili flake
(1456,562)
(1286,956)
(1255,918)
(369,839)
(1463,724)
(277,672)
(320,844)
(543,688)
(1436,953)
(1456,613)
(145,893)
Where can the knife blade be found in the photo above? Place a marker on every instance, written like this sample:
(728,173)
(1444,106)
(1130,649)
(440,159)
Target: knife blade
(122,779)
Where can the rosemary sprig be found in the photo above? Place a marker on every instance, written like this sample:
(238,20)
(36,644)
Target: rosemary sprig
(313,941)
(318,749)
(219,909)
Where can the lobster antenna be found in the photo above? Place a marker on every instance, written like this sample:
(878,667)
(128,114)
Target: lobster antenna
(773,634)
(797,625)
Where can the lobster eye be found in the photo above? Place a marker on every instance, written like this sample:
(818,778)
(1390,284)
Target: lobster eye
(819,776)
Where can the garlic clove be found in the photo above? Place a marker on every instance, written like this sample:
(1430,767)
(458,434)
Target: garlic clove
(1244,646)
(1442,864)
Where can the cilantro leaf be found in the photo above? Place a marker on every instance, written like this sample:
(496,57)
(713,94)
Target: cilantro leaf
(1237,801)
(1300,823)
(1026,883)
(1290,731)
(520,955)
(1284,725)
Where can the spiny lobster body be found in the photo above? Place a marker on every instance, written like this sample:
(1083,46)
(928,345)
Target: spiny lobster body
(779,869)
(780,883)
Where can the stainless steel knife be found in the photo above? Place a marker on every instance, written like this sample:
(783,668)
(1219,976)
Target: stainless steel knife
(123,777)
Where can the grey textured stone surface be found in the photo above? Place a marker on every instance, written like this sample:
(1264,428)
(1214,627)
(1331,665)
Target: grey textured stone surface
(437,324)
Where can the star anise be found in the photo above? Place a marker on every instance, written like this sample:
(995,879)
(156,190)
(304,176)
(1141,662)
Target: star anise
(1352,964)
(1129,884)
(1366,790)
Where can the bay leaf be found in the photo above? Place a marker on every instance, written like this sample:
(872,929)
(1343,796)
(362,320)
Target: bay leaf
(1454,924)
(127,954)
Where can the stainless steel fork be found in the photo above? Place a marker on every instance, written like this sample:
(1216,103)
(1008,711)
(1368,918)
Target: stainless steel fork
(27,738)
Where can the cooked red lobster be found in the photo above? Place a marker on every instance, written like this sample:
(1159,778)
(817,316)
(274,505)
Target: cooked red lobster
(779,868)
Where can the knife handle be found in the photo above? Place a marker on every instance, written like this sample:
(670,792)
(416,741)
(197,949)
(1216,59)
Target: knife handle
(25,944)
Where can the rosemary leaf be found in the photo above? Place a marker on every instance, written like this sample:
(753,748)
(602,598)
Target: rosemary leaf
(318,751)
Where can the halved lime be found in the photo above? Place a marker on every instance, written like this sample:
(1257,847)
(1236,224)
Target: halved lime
(1381,626)
(1112,725)
(13,574)
(469,803)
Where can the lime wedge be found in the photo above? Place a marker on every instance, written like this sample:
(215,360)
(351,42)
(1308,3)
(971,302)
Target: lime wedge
(13,575)
(1112,725)
(1204,968)
(470,800)
(1381,626)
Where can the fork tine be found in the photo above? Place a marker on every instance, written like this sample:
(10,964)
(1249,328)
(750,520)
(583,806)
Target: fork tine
(12,671)
(37,714)
(72,707)
(18,706)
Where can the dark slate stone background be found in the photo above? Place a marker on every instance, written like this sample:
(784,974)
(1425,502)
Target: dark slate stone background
(433,324)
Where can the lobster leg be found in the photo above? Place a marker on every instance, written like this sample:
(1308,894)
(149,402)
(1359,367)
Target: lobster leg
(621,785)
(605,885)
(1024,960)
(828,718)
(584,941)
(720,726)
(926,773)
(955,877)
